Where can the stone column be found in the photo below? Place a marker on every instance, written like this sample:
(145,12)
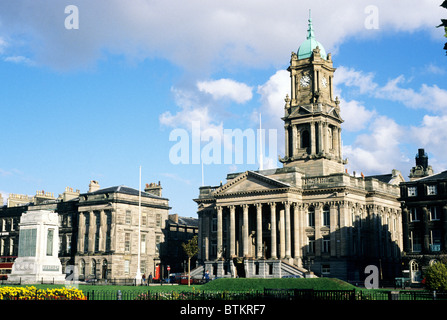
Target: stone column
(444,227)
(320,137)
(339,144)
(200,254)
(232,231)
(219,232)
(81,232)
(91,232)
(103,231)
(295,141)
(245,230)
(273,229)
(259,230)
(296,240)
(312,138)
(333,227)
(206,237)
(287,231)
(425,230)
(288,153)
(282,235)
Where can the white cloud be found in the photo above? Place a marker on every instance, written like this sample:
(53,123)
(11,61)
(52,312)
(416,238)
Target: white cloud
(355,115)
(19,59)
(377,152)
(353,78)
(226,88)
(197,34)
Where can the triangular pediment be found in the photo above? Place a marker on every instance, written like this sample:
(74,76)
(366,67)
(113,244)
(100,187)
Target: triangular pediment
(250,181)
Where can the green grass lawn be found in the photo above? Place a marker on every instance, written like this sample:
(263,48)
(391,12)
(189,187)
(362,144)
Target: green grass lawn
(228,284)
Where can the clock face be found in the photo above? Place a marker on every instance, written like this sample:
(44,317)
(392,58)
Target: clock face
(305,81)
(324,82)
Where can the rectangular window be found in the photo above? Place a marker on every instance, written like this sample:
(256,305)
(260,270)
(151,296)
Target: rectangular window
(311,218)
(326,218)
(158,220)
(143,243)
(435,240)
(434,214)
(128,217)
(414,215)
(127,242)
(326,244)
(157,244)
(325,269)
(126,266)
(432,190)
(311,244)
(412,191)
(416,242)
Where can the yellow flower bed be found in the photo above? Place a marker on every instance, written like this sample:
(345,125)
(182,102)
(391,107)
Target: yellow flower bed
(32,293)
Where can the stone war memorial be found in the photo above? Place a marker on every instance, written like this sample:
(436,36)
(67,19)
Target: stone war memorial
(38,260)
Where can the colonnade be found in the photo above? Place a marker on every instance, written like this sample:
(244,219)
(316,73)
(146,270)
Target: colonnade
(323,138)
(281,231)
(94,238)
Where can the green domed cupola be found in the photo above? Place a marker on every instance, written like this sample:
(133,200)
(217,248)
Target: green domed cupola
(306,48)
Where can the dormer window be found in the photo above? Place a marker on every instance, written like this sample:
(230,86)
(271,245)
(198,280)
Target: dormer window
(432,190)
(412,191)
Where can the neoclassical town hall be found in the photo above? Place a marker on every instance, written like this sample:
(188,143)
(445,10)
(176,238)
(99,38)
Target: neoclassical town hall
(310,216)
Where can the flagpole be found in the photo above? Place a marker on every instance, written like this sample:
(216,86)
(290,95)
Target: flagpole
(138,275)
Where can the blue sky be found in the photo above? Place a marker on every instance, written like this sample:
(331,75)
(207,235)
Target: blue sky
(97,102)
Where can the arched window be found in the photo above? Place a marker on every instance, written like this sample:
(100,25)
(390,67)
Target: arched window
(415,273)
(93,267)
(311,217)
(82,267)
(326,216)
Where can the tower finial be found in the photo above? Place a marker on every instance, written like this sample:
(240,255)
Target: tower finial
(310,30)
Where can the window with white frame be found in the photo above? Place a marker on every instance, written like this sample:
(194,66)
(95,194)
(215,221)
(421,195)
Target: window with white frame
(412,191)
(128,217)
(432,190)
(127,242)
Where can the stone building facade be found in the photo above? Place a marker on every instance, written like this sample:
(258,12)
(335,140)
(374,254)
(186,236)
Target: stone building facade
(98,229)
(424,215)
(310,215)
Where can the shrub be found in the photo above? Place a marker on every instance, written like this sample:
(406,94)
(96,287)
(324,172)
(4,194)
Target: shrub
(436,277)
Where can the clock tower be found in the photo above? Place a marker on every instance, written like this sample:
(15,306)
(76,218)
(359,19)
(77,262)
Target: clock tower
(312,120)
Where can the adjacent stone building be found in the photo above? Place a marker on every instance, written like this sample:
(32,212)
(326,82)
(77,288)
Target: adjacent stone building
(424,215)
(310,215)
(98,229)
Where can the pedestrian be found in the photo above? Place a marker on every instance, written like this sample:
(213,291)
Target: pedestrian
(150,277)
(207,276)
(144,278)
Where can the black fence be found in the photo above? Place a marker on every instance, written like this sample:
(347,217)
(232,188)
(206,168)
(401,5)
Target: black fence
(269,294)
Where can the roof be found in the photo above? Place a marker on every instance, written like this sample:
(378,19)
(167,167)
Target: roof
(382,177)
(434,177)
(188,221)
(306,48)
(126,190)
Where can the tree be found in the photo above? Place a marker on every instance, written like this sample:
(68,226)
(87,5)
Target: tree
(436,277)
(191,248)
(444,23)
